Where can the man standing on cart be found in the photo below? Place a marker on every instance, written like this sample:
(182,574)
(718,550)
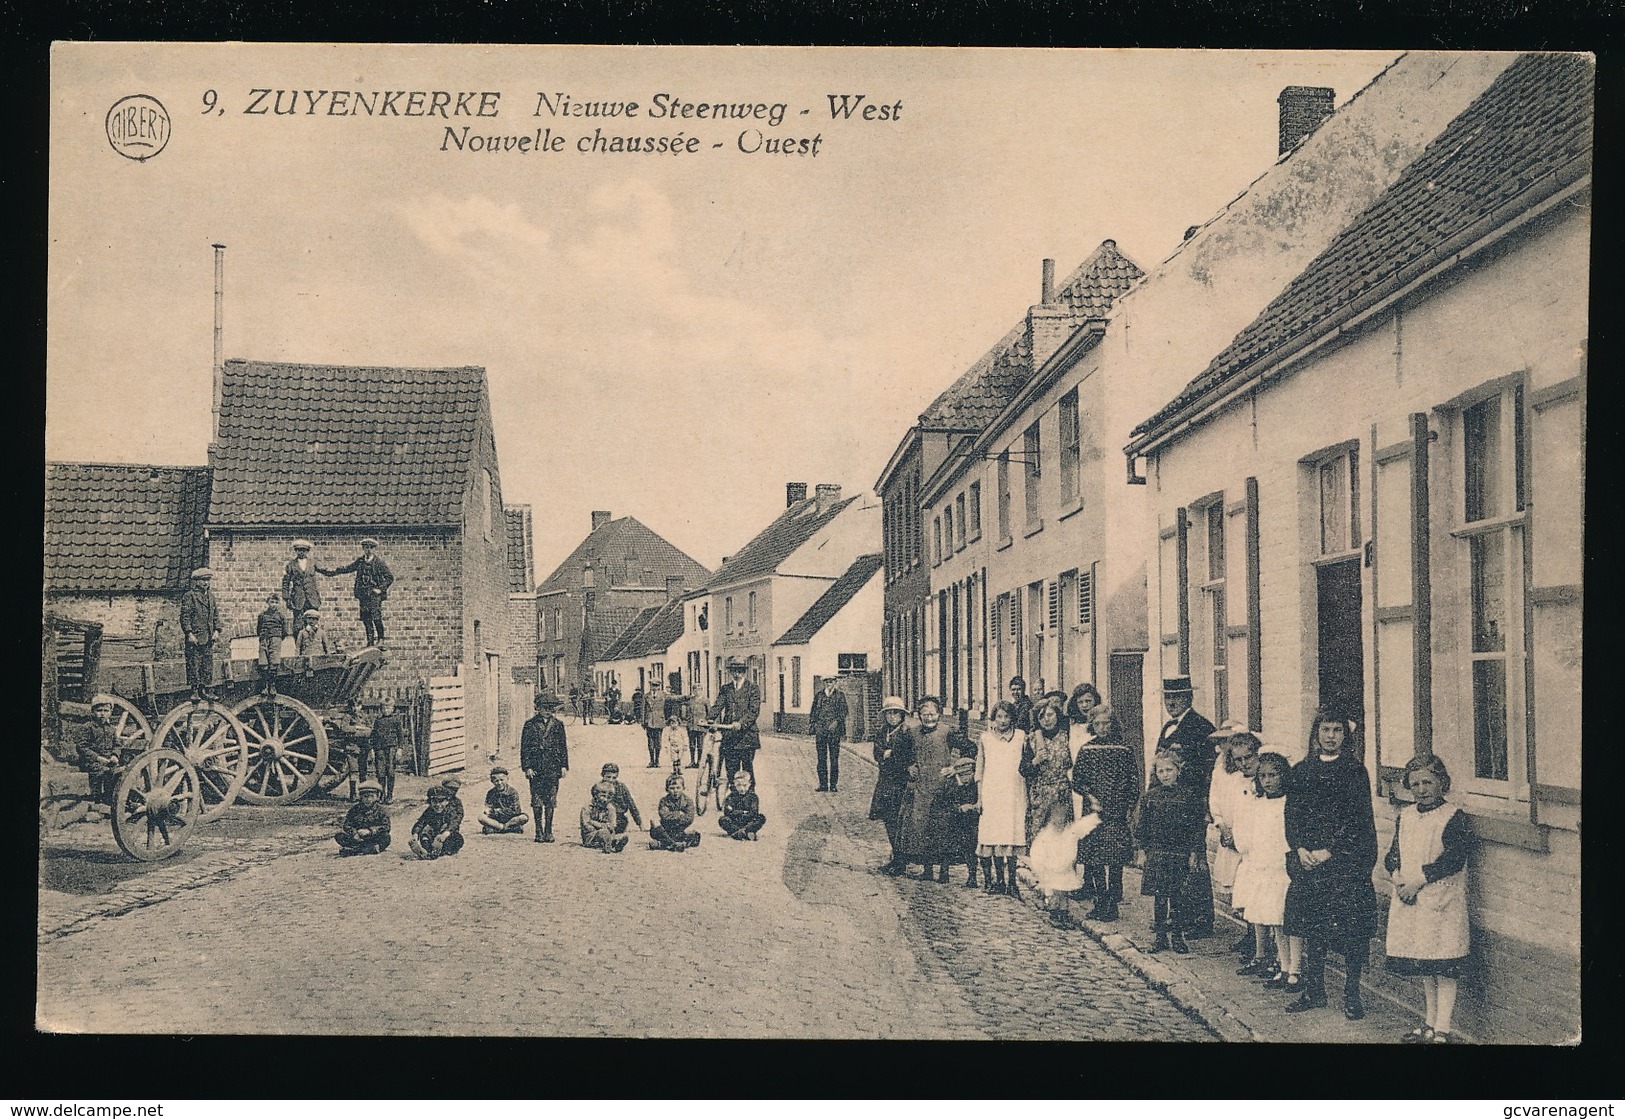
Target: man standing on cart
(301,590)
(372,580)
(738,703)
(200,623)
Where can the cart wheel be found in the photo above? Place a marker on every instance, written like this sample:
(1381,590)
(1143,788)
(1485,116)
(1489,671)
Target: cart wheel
(287,748)
(702,786)
(214,741)
(156,804)
(336,773)
(130,727)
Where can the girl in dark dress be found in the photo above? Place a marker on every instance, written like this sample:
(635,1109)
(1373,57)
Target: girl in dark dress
(1172,830)
(1104,774)
(953,810)
(1332,848)
(894,753)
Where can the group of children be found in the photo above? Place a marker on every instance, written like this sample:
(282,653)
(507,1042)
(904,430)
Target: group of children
(604,820)
(275,624)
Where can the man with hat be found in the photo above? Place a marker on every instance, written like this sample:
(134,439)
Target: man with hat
(1187,734)
(301,590)
(200,623)
(545,759)
(655,708)
(738,704)
(372,581)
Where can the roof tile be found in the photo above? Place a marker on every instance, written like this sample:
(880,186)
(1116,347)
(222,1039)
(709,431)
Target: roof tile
(113,528)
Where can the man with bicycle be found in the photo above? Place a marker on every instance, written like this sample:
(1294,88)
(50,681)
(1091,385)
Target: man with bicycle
(738,703)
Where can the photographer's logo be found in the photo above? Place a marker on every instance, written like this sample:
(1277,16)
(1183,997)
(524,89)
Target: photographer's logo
(138,127)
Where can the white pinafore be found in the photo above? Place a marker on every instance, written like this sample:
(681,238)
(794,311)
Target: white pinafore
(1435,927)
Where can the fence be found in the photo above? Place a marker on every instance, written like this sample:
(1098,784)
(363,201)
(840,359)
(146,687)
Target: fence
(448,731)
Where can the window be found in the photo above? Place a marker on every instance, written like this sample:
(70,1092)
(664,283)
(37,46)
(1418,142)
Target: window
(1004,497)
(959,507)
(974,510)
(1492,484)
(1213,591)
(936,541)
(948,529)
(852,664)
(750,606)
(1340,504)
(728,613)
(558,621)
(1069,448)
(1030,451)
(795,681)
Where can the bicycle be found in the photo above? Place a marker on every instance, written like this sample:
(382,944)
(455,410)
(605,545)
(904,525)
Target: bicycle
(709,778)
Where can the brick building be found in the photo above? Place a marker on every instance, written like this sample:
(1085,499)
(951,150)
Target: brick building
(1371,499)
(521,636)
(337,453)
(619,568)
(120,542)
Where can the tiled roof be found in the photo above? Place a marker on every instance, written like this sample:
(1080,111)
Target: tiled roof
(770,547)
(663,627)
(1525,138)
(123,528)
(520,576)
(628,636)
(981,393)
(328,445)
(607,548)
(829,604)
(608,624)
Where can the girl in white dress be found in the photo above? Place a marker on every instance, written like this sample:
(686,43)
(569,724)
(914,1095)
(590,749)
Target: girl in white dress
(1261,879)
(1001,831)
(1232,787)
(1428,933)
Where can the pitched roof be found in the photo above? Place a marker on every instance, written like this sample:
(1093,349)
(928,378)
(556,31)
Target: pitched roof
(1522,140)
(625,552)
(842,591)
(331,445)
(608,624)
(773,545)
(628,635)
(980,394)
(123,528)
(653,632)
(521,579)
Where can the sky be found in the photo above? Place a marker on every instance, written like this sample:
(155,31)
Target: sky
(668,336)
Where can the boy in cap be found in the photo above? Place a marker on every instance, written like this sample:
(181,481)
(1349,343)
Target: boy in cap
(200,622)
(271,627)
(544,757)
(366,825)
(387,737)
(676,812)
(620,795)
(99,753)
(502,813)
(742,811)
(300,587)
(452,786)
(601,822)
(310,640)
(372,582)
(435,833)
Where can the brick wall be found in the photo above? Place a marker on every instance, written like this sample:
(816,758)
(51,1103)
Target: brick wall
(423,632)
(485,601)
(123,617)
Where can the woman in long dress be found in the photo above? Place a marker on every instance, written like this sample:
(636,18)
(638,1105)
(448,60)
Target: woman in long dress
(1001,832)
(922,841)
(1104,776)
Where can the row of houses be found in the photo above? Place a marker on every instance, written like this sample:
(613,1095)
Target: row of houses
(1328,452)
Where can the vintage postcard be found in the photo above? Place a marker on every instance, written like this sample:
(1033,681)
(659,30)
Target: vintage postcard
(814,543)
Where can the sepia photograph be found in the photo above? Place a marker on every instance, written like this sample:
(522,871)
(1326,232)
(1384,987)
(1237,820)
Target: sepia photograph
(1066,544)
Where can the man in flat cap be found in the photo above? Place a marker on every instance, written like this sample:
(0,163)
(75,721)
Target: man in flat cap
(301,590)
(200,623)
(372,580)
(545,758)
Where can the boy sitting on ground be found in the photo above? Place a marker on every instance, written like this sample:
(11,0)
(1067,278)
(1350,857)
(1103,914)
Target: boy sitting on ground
(601,821)
(742,811)
(676,812)
(435,833)
(366,825)
(502,813)
(620,796)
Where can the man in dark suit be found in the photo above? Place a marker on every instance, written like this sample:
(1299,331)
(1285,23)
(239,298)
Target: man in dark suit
(545,759)
(301,590)
(738,704)
(200,622)
(828,719)
(372,581)
(1187,734)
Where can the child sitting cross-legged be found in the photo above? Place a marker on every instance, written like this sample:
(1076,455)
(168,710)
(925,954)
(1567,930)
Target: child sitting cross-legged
(676,812)
(742,811)
(502,812)
(600,820)
(436,831)
(366,825)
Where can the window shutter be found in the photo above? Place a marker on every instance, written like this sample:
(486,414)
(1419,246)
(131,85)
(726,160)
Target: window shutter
(1255,613)
(1421,588)
(1086,598)
(1182,555)
(1054,592)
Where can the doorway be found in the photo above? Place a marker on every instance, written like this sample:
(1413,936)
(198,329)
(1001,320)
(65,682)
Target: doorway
(1340,645)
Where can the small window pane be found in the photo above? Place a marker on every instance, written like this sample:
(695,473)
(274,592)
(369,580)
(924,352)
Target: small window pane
(1334,506)
(1483,459)
(1487,556)
(1490,719)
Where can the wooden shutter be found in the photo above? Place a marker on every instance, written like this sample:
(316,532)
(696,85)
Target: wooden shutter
(1255,611)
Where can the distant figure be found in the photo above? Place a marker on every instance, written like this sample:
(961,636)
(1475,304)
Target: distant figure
(300,587)
(654,723)
(200,622)
(828,719)
(372,582)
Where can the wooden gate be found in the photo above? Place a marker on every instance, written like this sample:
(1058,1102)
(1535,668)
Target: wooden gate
(448,733)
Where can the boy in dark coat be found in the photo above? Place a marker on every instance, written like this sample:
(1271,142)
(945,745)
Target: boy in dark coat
(620,795)
(99,753)
(676,812)
(200,623)
(435,833)
(384,743)
(366,825)
(372,582)
(545,759)
(271,627)
(502,813)
(742,812)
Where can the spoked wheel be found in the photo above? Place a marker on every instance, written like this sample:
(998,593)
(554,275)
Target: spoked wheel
(287,748)
(155,805)
(130,727)
(702,786)
(336,773)
(214,741)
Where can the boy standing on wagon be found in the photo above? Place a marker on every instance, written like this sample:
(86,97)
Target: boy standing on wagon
(271,627)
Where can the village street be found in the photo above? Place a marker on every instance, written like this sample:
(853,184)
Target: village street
(259,927)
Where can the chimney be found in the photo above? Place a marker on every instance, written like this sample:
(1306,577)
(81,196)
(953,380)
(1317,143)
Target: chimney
(219,351)
(600,518)
(827,494)
(1047,288)
(794,492)
(674,587)
(1303,107)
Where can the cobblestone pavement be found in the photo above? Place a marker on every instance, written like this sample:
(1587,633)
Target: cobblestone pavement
(264,929)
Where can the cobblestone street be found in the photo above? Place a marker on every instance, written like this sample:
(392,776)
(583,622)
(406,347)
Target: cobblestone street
(264,929)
